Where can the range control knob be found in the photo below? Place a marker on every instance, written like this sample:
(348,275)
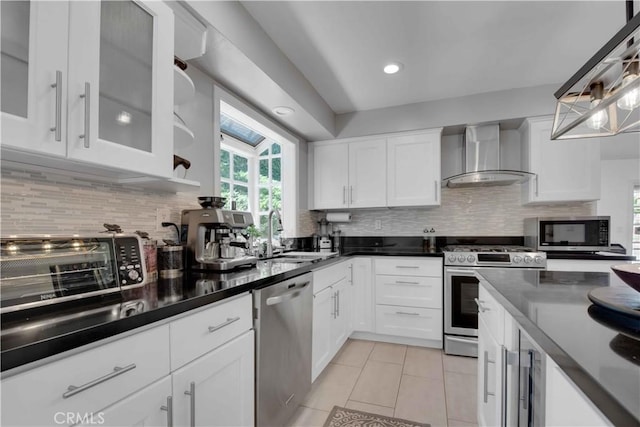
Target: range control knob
(528,259)
(461,258)
(133,274)
(538,260)
(452,258)
(471,258)
(517,259)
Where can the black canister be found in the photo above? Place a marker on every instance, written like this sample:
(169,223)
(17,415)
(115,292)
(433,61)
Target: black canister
(170,260)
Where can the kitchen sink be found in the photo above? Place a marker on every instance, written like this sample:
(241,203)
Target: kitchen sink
(303,256)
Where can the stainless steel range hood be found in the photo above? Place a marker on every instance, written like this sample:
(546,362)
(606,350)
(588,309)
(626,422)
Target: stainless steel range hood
(481,161)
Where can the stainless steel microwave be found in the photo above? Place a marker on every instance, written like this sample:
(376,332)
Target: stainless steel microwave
(40,270)
(568,234)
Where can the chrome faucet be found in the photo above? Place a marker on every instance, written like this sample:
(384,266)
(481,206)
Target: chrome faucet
(270,231)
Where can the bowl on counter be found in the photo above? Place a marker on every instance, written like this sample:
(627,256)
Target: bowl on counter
(629,273)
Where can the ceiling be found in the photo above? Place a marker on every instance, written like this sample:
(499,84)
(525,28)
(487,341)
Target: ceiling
(448,48)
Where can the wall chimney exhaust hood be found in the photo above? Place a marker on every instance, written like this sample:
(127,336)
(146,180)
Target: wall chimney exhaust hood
(481,160)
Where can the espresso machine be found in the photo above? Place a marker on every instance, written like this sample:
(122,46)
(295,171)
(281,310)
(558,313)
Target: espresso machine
(214,239)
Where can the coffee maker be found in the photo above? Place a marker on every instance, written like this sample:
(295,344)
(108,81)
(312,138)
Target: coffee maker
(215,239)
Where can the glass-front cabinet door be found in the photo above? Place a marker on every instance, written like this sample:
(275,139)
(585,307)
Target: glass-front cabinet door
(33,70)
(121,85)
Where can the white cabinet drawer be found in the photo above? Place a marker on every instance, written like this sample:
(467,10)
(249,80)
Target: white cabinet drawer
(331,275)
(34,397)
(492,314)
(409,266)
(412,291)
(196,334)
(424,323)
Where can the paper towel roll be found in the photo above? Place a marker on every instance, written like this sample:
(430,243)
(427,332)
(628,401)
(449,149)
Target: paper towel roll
(338,217)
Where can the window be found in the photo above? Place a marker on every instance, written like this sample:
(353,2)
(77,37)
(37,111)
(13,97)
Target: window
(239,131)
(269,185)
(253,181)
(234,177)
(635,250)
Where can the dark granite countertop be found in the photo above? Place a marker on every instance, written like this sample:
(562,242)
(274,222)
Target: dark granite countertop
(30,335)
(597,348)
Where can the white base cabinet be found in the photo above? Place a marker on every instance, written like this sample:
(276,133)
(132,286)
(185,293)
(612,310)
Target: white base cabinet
(217,389)
(565,404)
(143,380)
(331,314)
(148,407)
(409,297)
(362,295)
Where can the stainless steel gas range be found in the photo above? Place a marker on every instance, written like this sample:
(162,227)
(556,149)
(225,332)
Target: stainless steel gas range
(461,288)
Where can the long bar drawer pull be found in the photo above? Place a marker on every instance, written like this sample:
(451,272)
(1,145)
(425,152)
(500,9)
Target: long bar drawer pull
(192,403)
(58,86)
(486,393)
(73,390)
(407,266)
(229,321)
(169,408)
(87,115)
(400,282)
(407,314)
(481,307)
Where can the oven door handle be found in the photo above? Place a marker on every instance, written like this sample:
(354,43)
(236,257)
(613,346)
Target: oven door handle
(468,272)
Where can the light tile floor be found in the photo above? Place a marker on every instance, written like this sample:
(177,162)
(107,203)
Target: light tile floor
(414,383)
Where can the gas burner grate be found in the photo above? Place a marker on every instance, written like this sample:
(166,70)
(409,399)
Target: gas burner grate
(487,248)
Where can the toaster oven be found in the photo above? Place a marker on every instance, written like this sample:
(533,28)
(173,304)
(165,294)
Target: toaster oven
(40,270)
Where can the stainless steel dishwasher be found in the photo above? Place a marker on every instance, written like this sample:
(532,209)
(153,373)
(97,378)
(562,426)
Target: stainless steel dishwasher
(282,320)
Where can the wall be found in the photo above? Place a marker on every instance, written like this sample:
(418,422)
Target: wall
(617,181)
(481,211)
(481,108)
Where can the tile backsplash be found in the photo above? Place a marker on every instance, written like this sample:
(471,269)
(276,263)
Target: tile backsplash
(479,211)
(47,202)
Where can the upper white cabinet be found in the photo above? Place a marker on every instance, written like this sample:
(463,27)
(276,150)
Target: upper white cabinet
(385,171)
(413,169)
(566,170)
(349,174)
(90,82)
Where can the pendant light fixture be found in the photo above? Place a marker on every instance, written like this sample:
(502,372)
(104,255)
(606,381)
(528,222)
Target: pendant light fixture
(603,97)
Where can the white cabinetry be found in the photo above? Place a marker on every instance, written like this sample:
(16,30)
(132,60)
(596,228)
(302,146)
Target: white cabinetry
(216,385)
(413,169)
(331,314)
(566,170)
(491,360)
(349,174)
(100,75)
(565,404)
(88,382)
(409,297)
(196,369)
(217,388)
(362,295)
(391,170)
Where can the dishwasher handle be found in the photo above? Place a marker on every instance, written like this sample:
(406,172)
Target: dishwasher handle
(287,295)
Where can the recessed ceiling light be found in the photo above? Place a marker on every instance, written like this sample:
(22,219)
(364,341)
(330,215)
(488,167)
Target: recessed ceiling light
(283,111)
(392,67)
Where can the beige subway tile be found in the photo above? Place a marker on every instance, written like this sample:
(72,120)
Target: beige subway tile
(390,353)
(333,387)
(354,353)
(308,417)
(460,364)
(423,362)
(461,393)
(378,383)
(422,400)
